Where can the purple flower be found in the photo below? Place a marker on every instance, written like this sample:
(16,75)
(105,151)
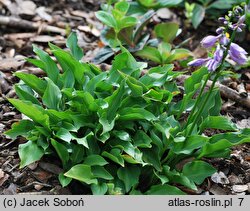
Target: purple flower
(237,53)
(209,41)
(224,40)
(218,54)
(212,65)
(197,62)
(220,30)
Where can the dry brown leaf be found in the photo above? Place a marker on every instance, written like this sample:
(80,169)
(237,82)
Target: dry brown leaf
(10,64)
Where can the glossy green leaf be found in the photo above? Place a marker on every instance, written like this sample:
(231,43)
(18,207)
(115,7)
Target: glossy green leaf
(36,113)
(166,31)
(150,53)
(72,43)
(95,160)
(24,95)
(101,172)
(64,134)
(64,181)
(106,18)
(21,128)
(141,139)
(99,189)
(29,153)
(51,68)
(82,173)
(135,114)
(52,95)
(115,156)
(129,175)
(33,82)
(198,15)
(198,171)
(61,151)
(164,190)
(217,122)
(114,102)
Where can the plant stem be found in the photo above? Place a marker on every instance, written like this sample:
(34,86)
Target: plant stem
(204,104)
(213,84)
(198,99)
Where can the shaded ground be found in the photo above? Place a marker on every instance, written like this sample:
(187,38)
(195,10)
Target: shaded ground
(16,43)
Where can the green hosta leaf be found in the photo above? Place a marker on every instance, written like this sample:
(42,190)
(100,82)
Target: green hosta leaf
(179,54)
(141,139)
(129,175)
(164,190)
(21,128)
(29,153)
(51,68)
(24,95)
(95,160)
(91,85)
(115,156)
(159,3)
(122,6)
(71,43)
(64,180)
(61,150)
(190,144)
(127,22)
(36,113)
(52,95)
(82,173)
(122,135)
(150,53)
(198,15)
(197,171)
(84,140)
(218,122)
(67,61)
(135,114)
(166,31)
(99,189)
(64,134)
(176,177)
(114,102)
(68,79)
(151,156)
(106,18)
(221,142)
(101,172)
(33,82)
(220,4)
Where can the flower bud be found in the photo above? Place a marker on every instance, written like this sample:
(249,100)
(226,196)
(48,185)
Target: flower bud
(197,62)
(224,40)
(209,41)
(212,65)
(220,30)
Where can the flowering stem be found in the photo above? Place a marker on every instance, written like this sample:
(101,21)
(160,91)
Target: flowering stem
(198,99)
(204,104)
(211,88)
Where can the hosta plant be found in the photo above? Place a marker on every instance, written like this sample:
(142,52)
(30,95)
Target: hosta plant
(121,29)
(123,131)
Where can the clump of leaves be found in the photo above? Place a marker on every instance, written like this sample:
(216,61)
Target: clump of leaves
(117,132)
(162,52)
(121,30)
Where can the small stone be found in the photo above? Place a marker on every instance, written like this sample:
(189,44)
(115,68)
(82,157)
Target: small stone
(240,188)
(220,178)
(234,180)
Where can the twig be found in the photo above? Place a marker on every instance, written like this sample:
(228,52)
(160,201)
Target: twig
(29,25)
(226,92)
